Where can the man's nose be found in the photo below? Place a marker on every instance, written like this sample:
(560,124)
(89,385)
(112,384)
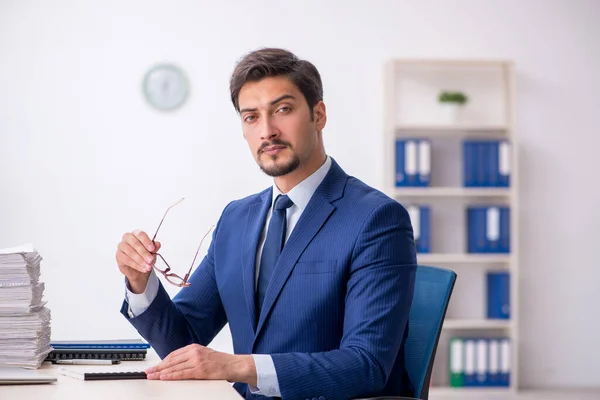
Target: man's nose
(269,130)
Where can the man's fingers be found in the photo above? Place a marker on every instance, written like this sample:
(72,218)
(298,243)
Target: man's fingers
(176,357)
(144,240)
(184,350)
(179,375)
(123,260)
(134,242)
(190,362)
(179,367)
(129,257)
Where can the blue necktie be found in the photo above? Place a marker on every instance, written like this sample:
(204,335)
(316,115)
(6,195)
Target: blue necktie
(272,247)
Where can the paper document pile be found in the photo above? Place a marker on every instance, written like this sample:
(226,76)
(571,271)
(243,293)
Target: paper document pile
(24,319)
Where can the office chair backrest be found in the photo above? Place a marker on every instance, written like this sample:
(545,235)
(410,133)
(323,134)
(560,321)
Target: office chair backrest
(433,288)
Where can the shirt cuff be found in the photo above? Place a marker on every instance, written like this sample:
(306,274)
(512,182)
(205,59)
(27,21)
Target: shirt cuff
(266,375)
(138,303)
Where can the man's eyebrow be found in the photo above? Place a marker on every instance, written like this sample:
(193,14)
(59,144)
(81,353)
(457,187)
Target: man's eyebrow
(284,97)
(277,100)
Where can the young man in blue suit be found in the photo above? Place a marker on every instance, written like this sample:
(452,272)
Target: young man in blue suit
(314,275)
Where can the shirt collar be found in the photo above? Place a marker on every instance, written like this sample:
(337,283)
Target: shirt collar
(302,192)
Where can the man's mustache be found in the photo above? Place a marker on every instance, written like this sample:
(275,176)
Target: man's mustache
(274,142)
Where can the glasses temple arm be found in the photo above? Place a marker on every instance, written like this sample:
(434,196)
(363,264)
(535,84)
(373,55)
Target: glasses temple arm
(197,251)
(163,218)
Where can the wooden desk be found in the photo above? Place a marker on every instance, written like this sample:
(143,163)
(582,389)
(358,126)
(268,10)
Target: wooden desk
(67,388)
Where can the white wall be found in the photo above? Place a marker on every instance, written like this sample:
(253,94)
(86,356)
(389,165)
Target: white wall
(83,158)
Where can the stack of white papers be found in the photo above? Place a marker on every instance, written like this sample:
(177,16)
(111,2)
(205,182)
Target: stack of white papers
(24,319)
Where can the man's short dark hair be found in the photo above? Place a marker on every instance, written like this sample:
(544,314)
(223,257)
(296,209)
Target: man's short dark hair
(270,62)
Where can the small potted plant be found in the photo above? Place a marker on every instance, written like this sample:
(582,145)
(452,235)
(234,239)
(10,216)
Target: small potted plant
(450,104)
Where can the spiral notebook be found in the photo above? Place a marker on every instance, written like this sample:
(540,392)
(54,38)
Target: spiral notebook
(98,354)
(124,350)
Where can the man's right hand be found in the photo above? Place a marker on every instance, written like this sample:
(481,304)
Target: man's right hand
(135,258)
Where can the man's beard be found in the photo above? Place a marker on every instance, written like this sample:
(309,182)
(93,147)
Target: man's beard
(282,169)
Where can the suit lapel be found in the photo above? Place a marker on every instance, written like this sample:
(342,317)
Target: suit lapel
(257,214)
(313,217)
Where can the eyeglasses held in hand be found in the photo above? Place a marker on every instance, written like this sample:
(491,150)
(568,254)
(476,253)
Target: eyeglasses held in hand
(165,268)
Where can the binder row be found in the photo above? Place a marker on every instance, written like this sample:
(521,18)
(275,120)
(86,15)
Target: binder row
(479,362)
(413,162)
(488,229)
(486,163)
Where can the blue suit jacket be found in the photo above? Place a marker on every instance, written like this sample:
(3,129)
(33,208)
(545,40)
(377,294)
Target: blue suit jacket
(335,313)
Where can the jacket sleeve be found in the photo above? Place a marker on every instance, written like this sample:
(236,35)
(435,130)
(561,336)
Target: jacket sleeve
(378,298)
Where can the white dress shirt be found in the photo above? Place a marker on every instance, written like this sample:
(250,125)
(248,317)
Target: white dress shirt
(267,383)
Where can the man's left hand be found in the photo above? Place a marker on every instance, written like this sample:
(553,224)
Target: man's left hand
(199,362)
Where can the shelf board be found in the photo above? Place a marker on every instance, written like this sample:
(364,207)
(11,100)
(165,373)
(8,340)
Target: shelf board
(436,391)
(477,324)
(452,62)
(465,128)
(451,192)
(462,258)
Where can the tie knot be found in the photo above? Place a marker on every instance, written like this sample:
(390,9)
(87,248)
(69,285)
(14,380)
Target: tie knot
(282,202)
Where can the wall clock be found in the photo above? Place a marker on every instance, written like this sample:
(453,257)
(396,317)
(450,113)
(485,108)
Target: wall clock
(166,87)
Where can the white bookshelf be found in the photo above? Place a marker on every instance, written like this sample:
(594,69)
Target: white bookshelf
(464,259)
(437,392)
(410,111)
(452,192)
(479,324)
(443,130)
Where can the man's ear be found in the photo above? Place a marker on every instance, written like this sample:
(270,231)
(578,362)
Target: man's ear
(320,115)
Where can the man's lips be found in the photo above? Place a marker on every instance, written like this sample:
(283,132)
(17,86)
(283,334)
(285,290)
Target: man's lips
(273,149)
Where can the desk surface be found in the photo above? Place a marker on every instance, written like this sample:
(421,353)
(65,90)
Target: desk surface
(67,388)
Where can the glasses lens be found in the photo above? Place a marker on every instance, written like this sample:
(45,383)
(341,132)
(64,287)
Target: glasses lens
(161,264)
(175,279)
